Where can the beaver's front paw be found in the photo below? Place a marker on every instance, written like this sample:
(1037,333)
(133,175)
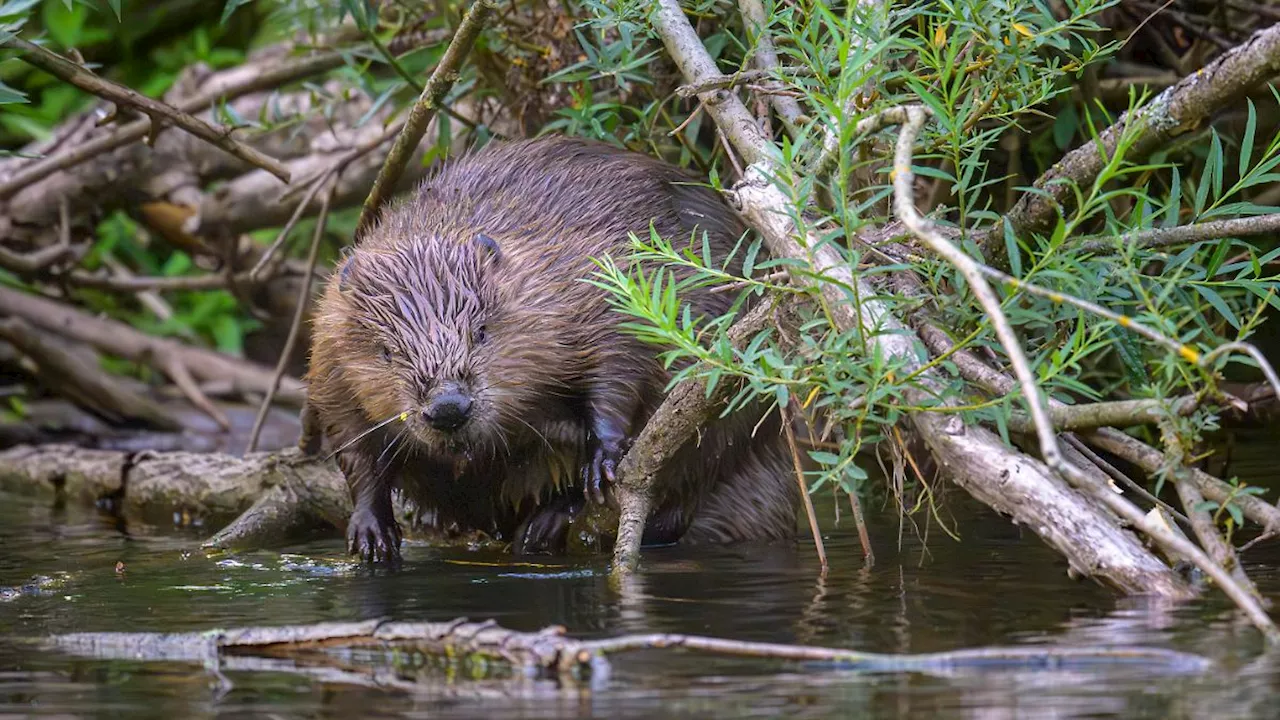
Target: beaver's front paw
(373,538)
(602,465)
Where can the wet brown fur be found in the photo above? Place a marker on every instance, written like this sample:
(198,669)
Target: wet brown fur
(426,297)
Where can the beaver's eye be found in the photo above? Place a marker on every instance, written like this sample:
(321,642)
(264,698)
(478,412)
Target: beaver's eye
(480,334)
(386,352)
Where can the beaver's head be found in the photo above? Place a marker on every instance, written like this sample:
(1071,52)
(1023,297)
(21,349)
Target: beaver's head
(424,327)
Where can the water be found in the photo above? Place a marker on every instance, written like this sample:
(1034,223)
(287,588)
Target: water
(999,586)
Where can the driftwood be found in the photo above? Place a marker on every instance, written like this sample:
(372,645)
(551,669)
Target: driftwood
(550,651)
(161,485)
(181,362)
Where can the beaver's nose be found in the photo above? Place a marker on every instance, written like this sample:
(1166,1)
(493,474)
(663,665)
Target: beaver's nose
(449,408)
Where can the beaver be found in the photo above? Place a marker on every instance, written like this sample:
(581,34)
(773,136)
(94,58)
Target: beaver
(460,354)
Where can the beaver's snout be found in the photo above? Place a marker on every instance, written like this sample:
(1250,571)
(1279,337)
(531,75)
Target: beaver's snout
(449,407)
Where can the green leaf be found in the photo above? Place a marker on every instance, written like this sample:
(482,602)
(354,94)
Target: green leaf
(1218,304)
(1175,198)
(824,458)
(9,95)
(1011,247)
(749,262)
(1246,143)
(1236,514)
(115,8)
(227,335)
(16,8)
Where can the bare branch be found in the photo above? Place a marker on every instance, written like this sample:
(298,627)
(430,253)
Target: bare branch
(441,81)
(82,383)
(804,489)
(1117,413)
(225,86)
(1183,235)
(685,409)
(72,73)
(550,650)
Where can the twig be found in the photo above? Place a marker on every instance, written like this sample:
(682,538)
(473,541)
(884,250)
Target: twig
(1111,470)
(804,489)
(303,204)
(864,539)
(304,297)
(334,170)
(747,77)
(1183,235)
(420,115)
(77,75)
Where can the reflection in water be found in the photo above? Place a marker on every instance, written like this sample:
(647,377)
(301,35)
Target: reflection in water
(998,586)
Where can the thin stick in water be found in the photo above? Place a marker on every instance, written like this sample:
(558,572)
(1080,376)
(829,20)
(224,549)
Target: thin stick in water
(804,491)
(304,297)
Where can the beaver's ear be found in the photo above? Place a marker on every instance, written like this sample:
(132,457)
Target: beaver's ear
(343,273)
(489,244)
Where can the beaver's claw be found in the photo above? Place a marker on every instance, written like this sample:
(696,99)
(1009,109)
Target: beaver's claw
(373,538)
(602,466)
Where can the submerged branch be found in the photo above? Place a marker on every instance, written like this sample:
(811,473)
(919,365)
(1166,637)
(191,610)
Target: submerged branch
(552,651)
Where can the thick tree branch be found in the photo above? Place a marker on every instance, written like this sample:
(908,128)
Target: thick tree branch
(686,409)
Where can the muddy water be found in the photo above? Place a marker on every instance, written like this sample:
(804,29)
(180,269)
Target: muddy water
(999,586)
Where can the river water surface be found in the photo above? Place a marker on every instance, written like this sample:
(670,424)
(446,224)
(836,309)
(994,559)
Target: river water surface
(997,586)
